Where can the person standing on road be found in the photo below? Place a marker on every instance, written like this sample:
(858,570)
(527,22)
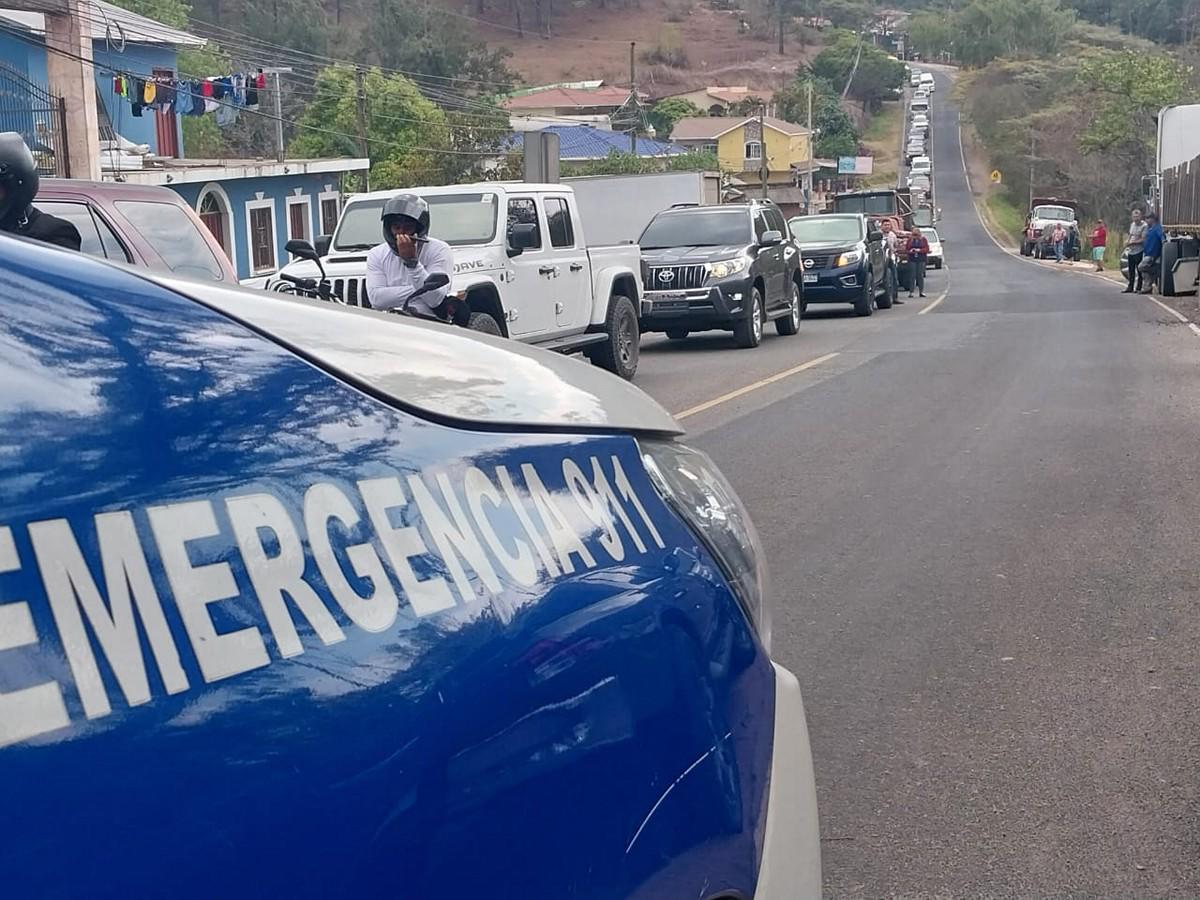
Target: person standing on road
(1099,244)
(1151,254)
(1133,243)
(892,240)
(918,256)
(1059,238)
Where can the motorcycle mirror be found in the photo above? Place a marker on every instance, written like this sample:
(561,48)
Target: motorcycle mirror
(322,244)
(301,249)
(435,281)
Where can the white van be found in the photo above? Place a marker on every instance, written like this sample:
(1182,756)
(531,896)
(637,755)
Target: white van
(927,81)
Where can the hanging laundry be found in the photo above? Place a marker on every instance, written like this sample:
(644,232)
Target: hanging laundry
(260,80)
(164,94)
(222,88)
(206,89)
(137,96)
(119,85)
(239,89)
(211,105)
(227,114)
(251,94)
(148,92)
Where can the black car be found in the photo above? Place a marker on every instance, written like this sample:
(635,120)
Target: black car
(845,261)
(731,267)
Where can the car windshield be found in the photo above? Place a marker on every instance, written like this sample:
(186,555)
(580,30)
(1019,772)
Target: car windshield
(174,236)
(1059,213)
(696,228)
(870,204)
(458,219)
(813,229)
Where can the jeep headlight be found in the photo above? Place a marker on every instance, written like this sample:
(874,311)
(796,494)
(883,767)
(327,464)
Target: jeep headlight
(726,267)
(849,258)
(694,487)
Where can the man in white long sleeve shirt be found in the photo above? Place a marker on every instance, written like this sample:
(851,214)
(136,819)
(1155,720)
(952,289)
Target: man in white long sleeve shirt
(399,266)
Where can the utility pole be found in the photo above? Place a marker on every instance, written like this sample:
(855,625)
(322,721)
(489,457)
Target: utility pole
(1032,146)
(808,179)
(360,112)
(762,144)
(633,98)
(276,71)
(780,2)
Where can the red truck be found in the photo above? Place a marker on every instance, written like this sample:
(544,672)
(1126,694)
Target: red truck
(140,224)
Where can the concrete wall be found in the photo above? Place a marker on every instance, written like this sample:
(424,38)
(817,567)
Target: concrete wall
(273,192)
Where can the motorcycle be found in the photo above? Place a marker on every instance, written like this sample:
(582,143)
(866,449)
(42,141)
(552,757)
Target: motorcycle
(455,308)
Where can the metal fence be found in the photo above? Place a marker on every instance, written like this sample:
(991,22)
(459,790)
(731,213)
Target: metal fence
(39,116)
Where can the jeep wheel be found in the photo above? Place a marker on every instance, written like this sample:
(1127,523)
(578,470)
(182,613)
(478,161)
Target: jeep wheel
(485,323)
(790,324)
(865,304)
(677,334)
(748,331)
(619,354)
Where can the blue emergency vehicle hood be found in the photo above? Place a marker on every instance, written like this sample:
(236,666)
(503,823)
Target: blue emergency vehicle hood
(266,634)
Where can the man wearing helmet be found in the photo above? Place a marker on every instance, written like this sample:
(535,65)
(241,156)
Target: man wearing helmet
(18,187)
(399,266)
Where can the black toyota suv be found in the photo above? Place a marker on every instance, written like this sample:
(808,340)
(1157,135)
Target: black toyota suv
(845,261)
(732,267)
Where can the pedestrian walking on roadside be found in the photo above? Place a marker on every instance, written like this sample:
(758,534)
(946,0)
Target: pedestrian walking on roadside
(892,240)
(1059,238)
(1099,244)
(918,256)
(1134,242)
(1152,246)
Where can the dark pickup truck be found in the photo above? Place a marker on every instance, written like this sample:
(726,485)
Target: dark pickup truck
(845,261)
(731,267)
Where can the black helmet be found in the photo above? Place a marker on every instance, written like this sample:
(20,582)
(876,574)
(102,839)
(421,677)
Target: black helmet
(406,206)
(18,177)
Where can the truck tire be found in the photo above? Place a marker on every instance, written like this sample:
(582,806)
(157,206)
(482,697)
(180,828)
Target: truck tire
(748,331)
(485,323)
(790,324)
(865,304)
(619,354)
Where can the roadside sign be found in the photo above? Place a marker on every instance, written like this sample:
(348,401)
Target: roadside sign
(995,176)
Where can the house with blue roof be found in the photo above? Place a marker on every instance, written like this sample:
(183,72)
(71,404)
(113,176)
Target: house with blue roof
(586,143)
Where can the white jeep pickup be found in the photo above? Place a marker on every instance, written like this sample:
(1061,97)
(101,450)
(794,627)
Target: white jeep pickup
(520,260)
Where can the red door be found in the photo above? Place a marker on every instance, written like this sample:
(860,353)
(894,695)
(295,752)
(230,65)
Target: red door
(165,130)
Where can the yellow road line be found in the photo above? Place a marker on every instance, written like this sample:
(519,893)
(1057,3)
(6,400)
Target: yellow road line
(742,391)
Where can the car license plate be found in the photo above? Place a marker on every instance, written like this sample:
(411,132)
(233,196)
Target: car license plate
(675,300)
(811,279)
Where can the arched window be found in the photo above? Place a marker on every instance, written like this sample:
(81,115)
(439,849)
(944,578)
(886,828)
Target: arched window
(214,211)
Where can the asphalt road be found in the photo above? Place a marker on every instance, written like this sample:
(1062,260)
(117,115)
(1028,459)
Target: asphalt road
(982,533)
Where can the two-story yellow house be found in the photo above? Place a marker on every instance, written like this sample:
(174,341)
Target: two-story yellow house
(746,145)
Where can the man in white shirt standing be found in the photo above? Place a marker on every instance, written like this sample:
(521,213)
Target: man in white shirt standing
(398,268)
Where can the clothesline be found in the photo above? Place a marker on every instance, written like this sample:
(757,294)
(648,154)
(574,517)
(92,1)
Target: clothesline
(224,95)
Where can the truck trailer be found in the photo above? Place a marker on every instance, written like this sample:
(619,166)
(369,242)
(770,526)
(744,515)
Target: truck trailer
(1177,197)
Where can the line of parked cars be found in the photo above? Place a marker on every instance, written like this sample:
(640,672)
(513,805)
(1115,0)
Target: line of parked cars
(916,149)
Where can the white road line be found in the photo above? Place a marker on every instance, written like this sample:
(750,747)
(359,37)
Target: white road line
(1194,327)
(742,391)
(932,306)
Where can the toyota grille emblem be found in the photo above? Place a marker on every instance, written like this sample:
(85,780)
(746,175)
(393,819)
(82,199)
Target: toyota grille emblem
(666,276)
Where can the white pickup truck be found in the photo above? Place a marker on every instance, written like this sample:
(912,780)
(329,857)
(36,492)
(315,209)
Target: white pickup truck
(540,285)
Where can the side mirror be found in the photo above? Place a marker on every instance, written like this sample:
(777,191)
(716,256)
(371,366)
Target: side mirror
(771,239)
(435,281)
(873,236)
(521,238)
(301,249)
(323,243)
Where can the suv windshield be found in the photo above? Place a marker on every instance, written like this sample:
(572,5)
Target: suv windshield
(1058,213)
(697,228)
(811,229)
(458,219)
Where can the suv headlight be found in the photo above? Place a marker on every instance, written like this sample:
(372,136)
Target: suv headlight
(849,258)
(695,488)
(726,267)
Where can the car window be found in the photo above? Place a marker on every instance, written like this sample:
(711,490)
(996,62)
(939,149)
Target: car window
(558,222)
(698,227)
(114,248)
(760,225)
(776,222)
(175,237)
(523,211)
(80,216)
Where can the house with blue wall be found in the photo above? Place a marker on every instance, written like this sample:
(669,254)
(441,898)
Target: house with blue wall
(252,206)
